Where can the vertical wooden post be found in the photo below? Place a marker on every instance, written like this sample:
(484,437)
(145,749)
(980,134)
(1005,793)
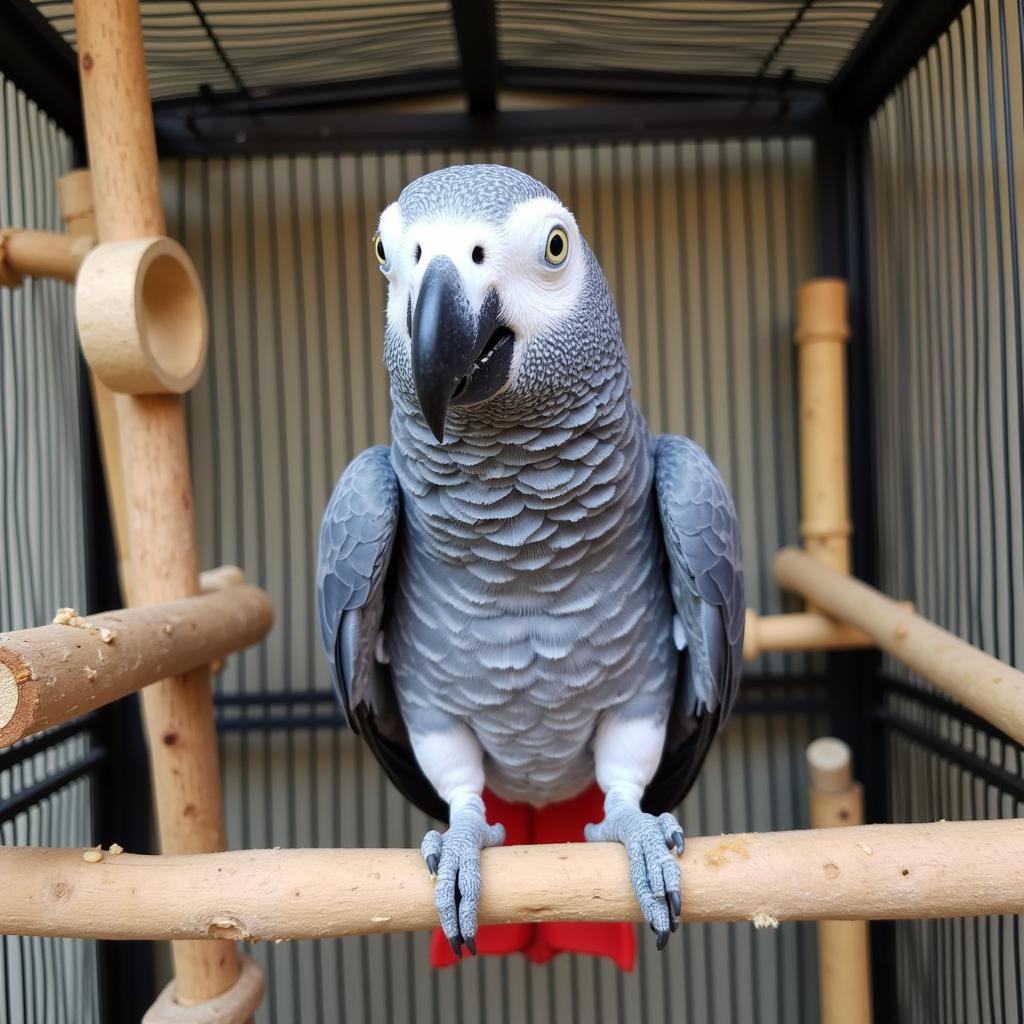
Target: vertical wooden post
(843,960)
(78,212)
(154,456)
(822,332)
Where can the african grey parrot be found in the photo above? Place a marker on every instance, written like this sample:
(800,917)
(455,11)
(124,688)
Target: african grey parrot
(527,590)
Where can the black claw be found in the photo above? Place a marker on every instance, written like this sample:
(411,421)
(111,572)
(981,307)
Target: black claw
(673,925)
(675,903)
(456,947)
(650,924)
(677,839)
(471,945)
(432,863)
(662,940)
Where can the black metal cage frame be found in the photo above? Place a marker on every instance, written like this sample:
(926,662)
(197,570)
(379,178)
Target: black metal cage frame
(623,106)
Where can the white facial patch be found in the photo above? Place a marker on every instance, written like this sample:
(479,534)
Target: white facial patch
(534,293)
(391,229)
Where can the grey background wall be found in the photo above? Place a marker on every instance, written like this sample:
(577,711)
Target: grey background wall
(947,174)
(42,544)
(704,244)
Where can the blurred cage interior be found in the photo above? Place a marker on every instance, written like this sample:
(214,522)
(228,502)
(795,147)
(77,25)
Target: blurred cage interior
(880,141)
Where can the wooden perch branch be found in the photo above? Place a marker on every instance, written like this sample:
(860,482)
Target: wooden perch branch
(53,673)
(945,869)
(984,684)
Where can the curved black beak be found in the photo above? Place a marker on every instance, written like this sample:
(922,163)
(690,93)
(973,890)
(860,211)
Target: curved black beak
(457,356)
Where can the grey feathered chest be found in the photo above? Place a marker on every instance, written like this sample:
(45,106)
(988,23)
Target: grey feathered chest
(532,558)
(531,592)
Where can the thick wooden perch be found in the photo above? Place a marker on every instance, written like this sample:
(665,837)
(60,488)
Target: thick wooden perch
(984,684)
(945,869)
(54,673)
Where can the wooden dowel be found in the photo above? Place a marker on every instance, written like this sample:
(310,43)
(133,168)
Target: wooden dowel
(55,673)
(843,955)
(822,332)
(980,682)
(77,209)
(78,212)
(798,631)
(944,869)
(28,253)
(801,631)
(154,454)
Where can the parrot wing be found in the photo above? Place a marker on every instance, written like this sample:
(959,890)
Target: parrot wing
(358,534)
(702,544)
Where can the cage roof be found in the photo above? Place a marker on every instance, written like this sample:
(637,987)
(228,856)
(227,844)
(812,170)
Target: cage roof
(232,77)
(259,45)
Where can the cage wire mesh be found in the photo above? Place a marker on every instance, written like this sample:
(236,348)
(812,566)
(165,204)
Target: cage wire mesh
(46,783)
(228,46)
(946,174)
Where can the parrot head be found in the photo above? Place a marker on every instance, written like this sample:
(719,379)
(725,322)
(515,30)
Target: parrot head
(497,308)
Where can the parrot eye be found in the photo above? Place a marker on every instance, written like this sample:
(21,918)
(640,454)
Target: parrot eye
(557,248)
(378,249)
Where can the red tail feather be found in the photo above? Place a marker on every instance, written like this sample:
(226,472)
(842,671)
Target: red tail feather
(556,823)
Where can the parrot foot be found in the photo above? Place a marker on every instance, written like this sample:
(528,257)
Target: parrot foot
(653,870)
(453,859)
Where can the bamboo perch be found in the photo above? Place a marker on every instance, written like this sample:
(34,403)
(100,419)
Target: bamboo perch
(843,958)
(980,682)
(821,336)
(944,869)
(160,518)
(54,673)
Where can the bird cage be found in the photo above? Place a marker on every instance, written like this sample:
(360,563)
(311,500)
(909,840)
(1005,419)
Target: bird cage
(807,214)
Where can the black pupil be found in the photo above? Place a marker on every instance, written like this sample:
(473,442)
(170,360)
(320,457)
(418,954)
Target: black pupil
(556,245)
(380,251)
(478,254)
(419,253)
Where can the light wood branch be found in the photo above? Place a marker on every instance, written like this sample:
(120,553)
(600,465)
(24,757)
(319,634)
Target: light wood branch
(54,673)
(945,869)
(984,684)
